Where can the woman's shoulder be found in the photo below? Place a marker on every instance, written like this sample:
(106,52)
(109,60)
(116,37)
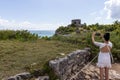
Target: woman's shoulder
(110,43)
(98,43)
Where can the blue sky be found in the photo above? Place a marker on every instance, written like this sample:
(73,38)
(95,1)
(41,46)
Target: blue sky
(50,14)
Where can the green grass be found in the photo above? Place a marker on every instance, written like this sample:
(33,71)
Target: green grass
(17,56)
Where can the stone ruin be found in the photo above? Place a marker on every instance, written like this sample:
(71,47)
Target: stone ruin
(66,67)
(76,22)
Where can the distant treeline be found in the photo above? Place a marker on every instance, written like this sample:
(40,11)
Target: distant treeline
(93,27)
(22,35)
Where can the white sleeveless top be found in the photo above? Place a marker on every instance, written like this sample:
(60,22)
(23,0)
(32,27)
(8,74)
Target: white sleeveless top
(103,44)
(104,59)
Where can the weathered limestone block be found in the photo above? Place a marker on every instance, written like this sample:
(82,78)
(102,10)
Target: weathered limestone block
(69,65)
(11,78)
(25,75)
(114,75)
(55,65)
(21,76)
(43,78)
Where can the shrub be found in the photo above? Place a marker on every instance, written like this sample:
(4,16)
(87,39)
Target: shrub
(65,30)
(46,38)
(22,35)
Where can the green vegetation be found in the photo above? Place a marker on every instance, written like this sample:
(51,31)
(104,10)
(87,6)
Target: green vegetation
(65,30)
(22,35)
(17,56)
(83,39)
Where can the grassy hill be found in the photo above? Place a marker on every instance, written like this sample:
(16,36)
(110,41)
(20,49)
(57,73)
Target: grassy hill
(17,56)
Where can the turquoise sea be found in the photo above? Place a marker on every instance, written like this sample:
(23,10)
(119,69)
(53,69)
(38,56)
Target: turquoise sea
(42,33)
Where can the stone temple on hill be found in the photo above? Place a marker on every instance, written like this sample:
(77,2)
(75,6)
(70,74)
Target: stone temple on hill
(76,22)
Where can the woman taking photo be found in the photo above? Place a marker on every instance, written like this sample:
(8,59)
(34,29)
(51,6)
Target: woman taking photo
(104,60)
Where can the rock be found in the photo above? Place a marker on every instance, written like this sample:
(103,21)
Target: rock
(25,75)
(33,64)
(11,78)
(62,54)
(21,76)
(87,77)
(114,75)
(87,48)
(43,78)
(67,66)
(94,73)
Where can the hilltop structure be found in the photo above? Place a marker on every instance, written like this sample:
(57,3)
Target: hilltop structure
(76,22)
(74,26)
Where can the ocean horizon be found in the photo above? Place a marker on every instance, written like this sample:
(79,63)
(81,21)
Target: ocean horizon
(42,33)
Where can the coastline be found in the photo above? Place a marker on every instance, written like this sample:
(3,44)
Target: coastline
(42,33)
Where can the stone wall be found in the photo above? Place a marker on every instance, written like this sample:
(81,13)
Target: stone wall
(67,66)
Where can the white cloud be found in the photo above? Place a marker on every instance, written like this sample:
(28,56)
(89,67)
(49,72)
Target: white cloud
(14,25)
(97,16)
(113,9)
(109,13)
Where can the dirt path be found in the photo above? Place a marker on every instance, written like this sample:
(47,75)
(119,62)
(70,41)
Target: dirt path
(116,67)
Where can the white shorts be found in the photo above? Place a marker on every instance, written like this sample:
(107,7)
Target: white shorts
(104,60)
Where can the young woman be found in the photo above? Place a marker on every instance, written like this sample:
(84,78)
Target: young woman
(104,60)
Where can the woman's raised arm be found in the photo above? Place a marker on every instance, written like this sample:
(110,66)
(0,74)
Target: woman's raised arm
(93,35)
